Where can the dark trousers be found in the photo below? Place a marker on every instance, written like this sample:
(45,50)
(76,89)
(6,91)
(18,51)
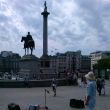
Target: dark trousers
(99,88)
(54,90)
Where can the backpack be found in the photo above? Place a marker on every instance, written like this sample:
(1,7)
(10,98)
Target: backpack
(75,103)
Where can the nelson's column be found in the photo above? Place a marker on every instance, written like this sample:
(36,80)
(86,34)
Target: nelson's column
(45,62)
(45,14)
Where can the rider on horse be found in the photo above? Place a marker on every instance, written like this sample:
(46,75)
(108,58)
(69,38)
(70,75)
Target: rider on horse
(29,37)
(28,43)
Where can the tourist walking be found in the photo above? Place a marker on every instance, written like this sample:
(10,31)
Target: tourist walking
(90,98)
(54,84)
(103,85)
(99,85)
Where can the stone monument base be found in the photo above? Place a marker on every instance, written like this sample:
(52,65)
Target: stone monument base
(29,67)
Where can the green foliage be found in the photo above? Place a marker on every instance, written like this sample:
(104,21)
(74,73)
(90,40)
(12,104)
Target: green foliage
(103,64)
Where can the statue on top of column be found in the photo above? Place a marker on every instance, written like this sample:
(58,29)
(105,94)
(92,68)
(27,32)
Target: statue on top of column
(45,9)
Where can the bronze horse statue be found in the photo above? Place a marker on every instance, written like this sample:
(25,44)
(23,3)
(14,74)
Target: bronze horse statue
(28,44)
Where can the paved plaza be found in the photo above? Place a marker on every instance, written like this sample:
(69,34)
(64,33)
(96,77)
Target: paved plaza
(26,96)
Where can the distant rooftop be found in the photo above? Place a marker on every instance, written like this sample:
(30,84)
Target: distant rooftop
(100,52)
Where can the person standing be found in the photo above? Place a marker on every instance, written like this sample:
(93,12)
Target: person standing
(70,78)
(83,81)
(90,99)
(103,85)
(75,79)
(99,85)
(54,84)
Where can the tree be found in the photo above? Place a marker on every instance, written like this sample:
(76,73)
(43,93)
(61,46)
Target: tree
(102,64)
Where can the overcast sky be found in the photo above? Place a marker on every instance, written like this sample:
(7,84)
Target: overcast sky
(72,25)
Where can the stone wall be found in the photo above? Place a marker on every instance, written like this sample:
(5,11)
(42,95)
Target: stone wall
(36,83)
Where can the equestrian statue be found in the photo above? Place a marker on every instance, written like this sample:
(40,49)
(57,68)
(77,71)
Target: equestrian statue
(28,43)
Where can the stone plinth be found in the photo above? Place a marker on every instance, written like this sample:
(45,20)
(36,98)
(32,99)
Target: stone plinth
(29,66)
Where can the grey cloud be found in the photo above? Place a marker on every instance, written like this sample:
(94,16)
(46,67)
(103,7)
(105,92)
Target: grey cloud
(72,25)
(93,14)
(4,38)
(3,18)
(29,12)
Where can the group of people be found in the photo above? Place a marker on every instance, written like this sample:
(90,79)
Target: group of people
(93,84)
(72,78)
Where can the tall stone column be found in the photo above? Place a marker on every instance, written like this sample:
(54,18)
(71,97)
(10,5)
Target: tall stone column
(45,14)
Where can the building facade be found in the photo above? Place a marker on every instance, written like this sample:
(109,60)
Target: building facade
(9,62)
(85,64)
(62,62)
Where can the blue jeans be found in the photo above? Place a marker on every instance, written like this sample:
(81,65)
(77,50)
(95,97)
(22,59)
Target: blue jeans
(89,108)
